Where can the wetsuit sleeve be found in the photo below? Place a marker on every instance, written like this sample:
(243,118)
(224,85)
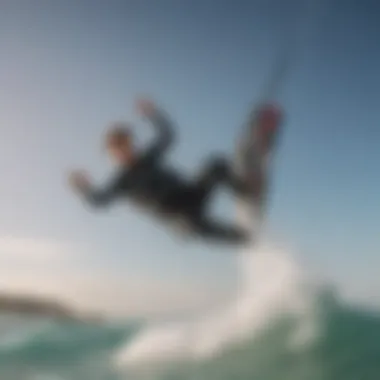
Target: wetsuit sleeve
(100,197)
(165,135)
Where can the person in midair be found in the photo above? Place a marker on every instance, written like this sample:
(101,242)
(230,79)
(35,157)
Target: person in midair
(144,179)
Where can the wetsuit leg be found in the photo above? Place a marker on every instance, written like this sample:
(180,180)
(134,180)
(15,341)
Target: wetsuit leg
(224,233)
(191,200)
(192,197)
(186,199)
(218,171)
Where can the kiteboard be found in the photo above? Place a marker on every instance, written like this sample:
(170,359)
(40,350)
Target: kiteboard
(253,163)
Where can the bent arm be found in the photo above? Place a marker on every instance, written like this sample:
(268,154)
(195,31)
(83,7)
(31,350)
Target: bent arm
(99,197)
(165,134)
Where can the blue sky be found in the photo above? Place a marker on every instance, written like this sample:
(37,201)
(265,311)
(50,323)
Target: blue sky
(68,68)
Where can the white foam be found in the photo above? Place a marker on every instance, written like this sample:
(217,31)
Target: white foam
(273,284)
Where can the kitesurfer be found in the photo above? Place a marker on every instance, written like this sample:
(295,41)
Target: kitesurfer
(145,179)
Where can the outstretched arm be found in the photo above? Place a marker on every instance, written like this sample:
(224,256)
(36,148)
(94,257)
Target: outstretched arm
(99,197)
(165,133)
(96,197)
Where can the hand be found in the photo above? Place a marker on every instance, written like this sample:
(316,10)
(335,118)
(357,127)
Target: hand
(145,107)
(79,181)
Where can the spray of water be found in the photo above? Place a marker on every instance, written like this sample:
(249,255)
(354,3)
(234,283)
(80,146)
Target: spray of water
(273,286)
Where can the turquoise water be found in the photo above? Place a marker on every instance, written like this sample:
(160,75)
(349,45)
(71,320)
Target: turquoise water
(348,347)
(278,329)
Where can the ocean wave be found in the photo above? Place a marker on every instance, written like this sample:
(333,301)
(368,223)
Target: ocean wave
(283,325)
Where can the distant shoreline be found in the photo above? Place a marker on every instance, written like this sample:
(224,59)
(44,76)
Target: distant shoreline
(38,306)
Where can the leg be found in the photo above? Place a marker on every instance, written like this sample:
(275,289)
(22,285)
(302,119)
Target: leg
(224,233)
(218,171)
(186,200)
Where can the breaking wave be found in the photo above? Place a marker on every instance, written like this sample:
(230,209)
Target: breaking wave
(282,325)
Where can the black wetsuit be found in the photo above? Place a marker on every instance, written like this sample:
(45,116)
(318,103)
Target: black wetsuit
(156,187)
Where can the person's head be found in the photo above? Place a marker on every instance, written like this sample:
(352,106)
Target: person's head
(119,143)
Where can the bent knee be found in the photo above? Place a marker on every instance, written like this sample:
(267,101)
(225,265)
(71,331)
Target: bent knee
(217,164)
